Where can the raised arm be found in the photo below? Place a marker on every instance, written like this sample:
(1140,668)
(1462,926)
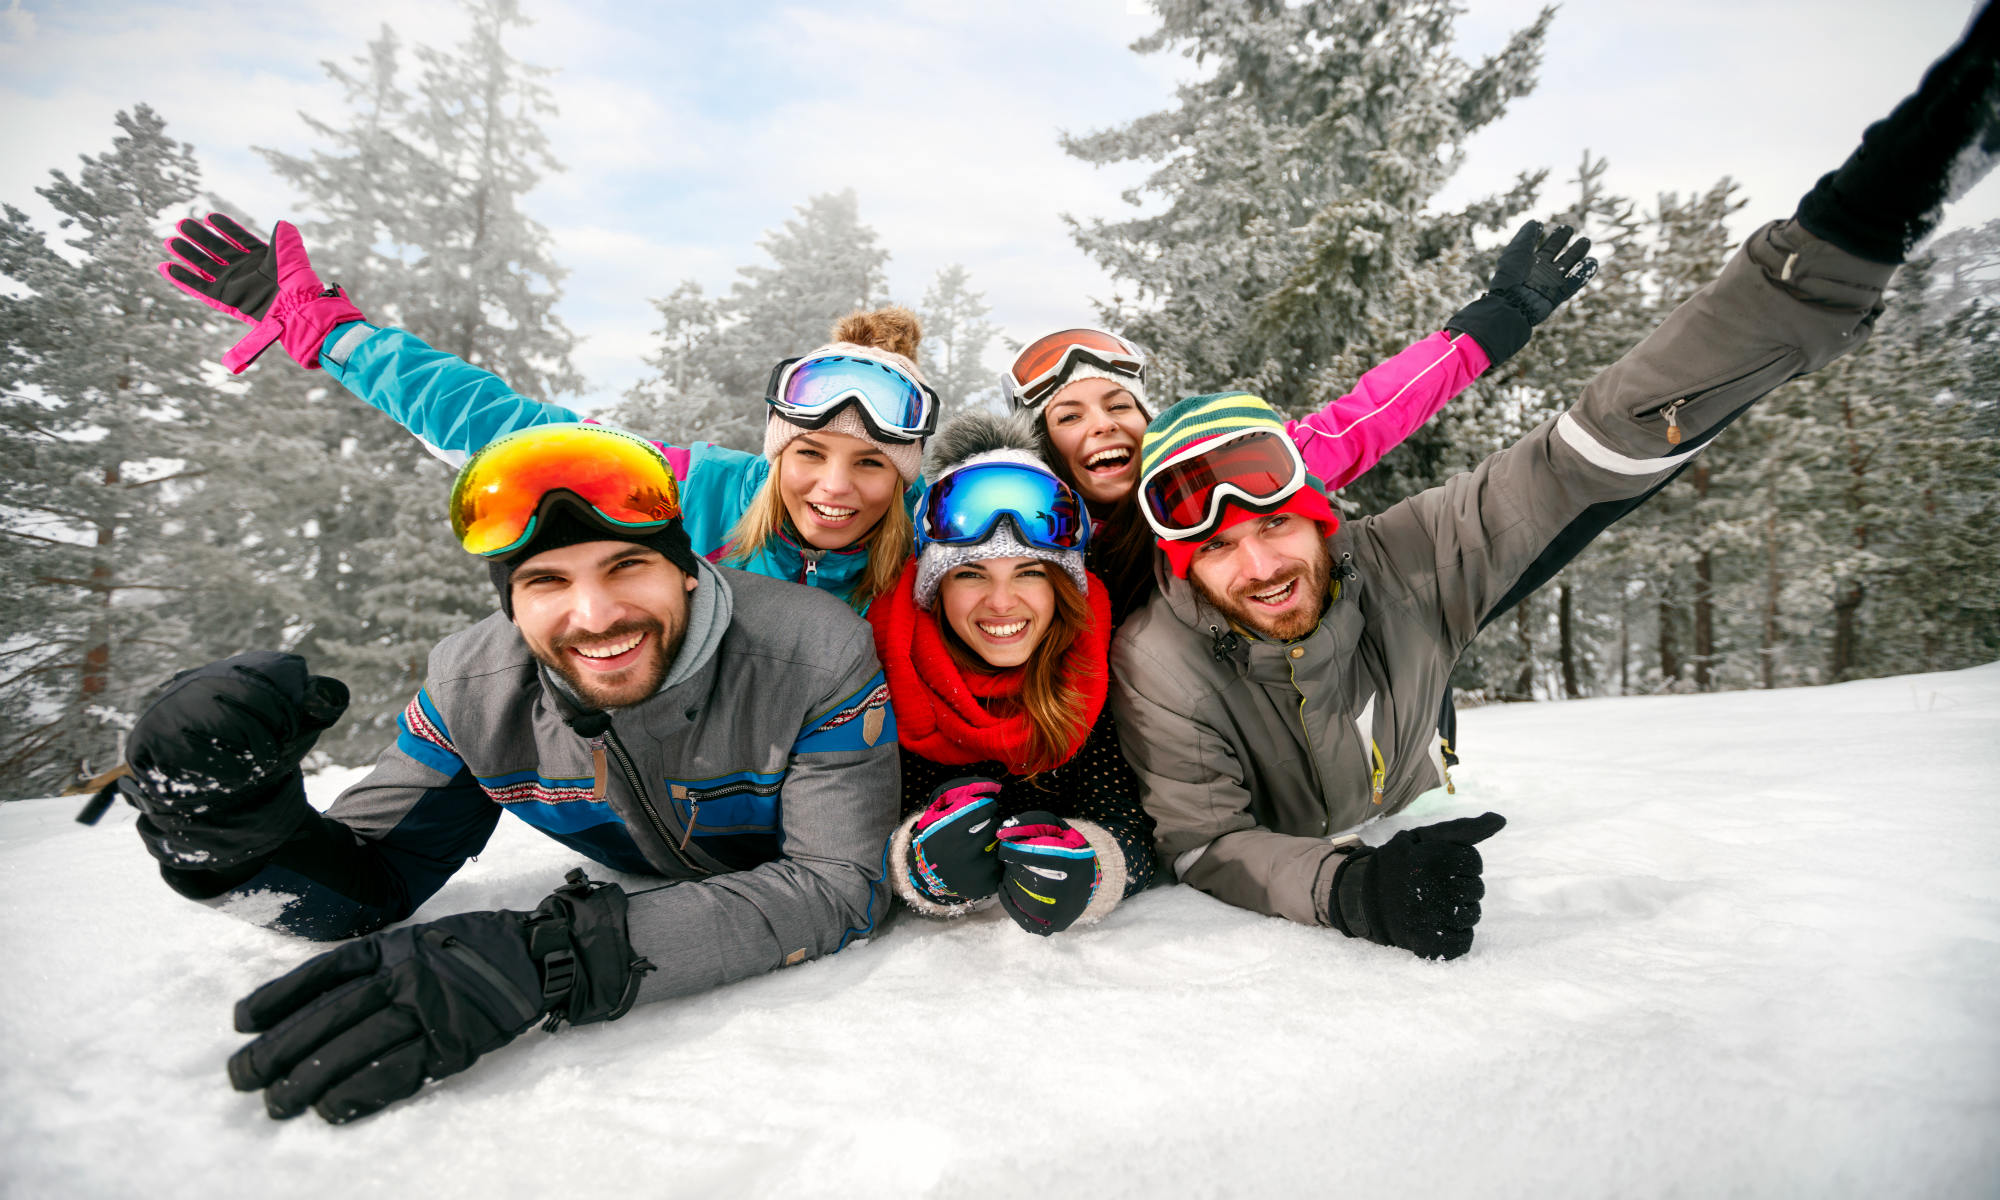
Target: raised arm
(1392,400)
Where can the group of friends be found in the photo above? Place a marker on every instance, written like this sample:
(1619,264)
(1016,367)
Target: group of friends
(1037,661)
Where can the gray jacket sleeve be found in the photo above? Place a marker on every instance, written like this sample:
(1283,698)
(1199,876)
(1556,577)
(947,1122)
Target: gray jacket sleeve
(836,808)
(1787,303)
(1196,790)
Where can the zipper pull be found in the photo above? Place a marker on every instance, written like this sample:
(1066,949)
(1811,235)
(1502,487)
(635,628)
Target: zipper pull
(1674,422)
(1378,785)
(812,568)
(694,809)
(599,770)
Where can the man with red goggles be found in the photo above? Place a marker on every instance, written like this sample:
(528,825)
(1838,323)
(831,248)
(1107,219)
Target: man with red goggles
(723,731)
(1239,685)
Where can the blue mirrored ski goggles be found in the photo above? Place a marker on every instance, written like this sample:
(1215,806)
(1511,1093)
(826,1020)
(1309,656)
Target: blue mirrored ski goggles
(963,507)
(809,391)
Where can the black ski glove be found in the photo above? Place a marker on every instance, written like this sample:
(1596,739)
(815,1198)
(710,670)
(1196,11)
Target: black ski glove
(225,266)
(951,852)
(1048,872)
(1533,278)
(363,1026)
(215,758)
(1928,151)
(1419,890)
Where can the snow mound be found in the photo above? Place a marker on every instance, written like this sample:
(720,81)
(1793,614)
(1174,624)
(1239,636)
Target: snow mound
(1738,944)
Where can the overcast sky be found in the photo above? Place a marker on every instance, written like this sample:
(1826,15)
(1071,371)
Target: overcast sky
(688,130)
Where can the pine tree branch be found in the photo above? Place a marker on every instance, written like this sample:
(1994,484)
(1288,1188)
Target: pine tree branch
(36,537)
(164,478)
(39,669)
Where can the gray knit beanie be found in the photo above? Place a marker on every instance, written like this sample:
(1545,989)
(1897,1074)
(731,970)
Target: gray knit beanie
(978,437)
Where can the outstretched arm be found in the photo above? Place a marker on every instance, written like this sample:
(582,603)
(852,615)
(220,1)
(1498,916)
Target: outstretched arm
(1343,440)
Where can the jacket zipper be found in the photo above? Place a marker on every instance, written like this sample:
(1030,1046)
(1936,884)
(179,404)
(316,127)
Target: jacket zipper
(1673,414)
(1381,770)
(810,577)
(609,739)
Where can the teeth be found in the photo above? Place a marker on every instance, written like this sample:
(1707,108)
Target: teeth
(1274,595)
(831,513)
(1000,631)
(611,651)
(1107,457)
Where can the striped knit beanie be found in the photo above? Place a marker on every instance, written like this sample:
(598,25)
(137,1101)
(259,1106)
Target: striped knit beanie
(1198,420)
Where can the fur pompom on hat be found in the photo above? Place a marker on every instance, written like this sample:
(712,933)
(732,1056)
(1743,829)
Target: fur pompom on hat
(970,439)
(888,336)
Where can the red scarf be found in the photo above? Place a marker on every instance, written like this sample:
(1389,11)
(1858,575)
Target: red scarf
(939,709)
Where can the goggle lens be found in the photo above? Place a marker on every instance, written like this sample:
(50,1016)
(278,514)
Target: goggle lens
(963,507)
(623,478)
(1263,465)
(1045,363)
(818,386)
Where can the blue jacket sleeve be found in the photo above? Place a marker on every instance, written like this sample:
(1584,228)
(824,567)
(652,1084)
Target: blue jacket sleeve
(451,406)
(388,843)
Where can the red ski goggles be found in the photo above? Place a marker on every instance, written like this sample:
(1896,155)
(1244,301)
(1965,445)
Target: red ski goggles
(809,392)
(1258,469)
(503,490)
(1046,363)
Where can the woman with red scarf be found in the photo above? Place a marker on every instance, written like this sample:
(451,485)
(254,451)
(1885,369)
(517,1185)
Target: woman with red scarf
(994,644)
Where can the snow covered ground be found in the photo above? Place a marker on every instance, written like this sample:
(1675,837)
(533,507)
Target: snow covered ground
(1742,944)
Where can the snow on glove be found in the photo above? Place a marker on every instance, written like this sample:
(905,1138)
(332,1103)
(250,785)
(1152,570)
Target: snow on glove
(951,855)
(1931,148)
(1420,890)
(1535,275)
(1048,872)
(365,1025)
(215,758)
(271,286)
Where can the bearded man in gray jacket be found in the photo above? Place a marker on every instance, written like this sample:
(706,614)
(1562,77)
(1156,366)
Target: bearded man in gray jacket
(726,732)
(1238,687)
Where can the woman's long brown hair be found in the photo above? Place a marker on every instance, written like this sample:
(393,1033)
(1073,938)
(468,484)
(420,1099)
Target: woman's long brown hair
(1121,552)
(1053,706)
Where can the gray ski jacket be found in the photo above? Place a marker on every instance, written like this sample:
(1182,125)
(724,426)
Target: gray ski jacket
(1248,752)
(761,780)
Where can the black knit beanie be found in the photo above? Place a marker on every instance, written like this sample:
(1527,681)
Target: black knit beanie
(566,525)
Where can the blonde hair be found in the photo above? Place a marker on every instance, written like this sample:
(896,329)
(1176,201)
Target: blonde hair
(886,545)
(897,330)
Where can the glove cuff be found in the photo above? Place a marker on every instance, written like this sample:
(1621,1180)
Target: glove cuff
(910,887)
(582,948)
(1347,906)
(1500,328)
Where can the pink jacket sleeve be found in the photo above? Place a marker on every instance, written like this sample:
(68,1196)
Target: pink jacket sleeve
(1388,404)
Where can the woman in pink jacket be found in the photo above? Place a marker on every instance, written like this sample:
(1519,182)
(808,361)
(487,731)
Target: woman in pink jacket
(1088,389)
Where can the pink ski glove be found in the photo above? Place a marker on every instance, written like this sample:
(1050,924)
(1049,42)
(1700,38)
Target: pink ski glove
(272,287)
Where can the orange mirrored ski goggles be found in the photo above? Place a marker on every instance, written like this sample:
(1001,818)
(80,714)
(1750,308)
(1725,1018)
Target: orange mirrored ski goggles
(1044,365)
(503,490)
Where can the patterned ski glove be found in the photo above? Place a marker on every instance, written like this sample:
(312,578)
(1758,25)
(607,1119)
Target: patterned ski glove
(271,286)
(215,758)
(1420,890)
(368,1024)
(1534,277)
(1049,872)
(951,855)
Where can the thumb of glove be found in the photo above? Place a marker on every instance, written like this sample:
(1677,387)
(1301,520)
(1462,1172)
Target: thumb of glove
(1518,257)
(1465,831)
(294,265)
(324,701)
